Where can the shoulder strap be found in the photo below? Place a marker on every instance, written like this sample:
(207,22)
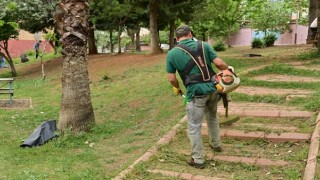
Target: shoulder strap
(193,55)
(200,52)
(198,59)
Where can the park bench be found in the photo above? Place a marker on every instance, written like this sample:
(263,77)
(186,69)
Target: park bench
(6,87)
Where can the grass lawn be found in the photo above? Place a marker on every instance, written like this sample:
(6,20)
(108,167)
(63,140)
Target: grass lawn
(134,106)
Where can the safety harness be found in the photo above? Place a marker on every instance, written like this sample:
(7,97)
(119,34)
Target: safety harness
(207,73)
(197,58)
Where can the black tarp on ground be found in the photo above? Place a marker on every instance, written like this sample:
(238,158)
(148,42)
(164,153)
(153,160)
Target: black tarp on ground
(41,134)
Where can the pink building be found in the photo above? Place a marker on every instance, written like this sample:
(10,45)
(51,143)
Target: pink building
(25,43)
(297,35)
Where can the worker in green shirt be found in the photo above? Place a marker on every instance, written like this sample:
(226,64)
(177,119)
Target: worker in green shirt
(202,96)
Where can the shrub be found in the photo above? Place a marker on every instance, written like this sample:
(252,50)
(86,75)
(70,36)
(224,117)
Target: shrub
(30,53)
(269,40)
(219,46)
(257,43)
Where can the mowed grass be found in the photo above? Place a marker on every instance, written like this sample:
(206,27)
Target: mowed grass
(134,107)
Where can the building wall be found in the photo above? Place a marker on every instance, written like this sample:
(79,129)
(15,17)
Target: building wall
(18,47)
(288,38)
(25,43)
(246,35)
(242,38)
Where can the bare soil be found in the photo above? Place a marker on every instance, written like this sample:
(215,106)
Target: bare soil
(98,65)
(285,78)
(16,104)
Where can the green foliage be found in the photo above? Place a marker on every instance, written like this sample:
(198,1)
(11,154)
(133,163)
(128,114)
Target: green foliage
(272,16)
(9,27)
(36,15)
(30,53)
(269,40)
(8,30)
(164,37)
(219,46)
(146,39)
(220,18)
(257,43)
(50,36)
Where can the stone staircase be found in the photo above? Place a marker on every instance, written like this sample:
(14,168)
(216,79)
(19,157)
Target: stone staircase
(263,141)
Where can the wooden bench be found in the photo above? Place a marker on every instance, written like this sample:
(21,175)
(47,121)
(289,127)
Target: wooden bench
(4,89)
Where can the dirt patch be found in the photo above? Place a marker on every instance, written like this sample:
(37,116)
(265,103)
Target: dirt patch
(16,104)
(98,65)
(285,78)
(309,67)
(251,90)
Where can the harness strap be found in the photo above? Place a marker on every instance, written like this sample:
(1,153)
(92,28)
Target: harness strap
(197,58)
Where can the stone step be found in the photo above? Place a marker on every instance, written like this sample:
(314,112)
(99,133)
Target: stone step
(256,106)
(182,175)
(253,90)
(248,160)
(265,113)
(273,137)
(272,126)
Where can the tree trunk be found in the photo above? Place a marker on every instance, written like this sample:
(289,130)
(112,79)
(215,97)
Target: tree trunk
(171,35)
(312,15)
(9,59)
(131,33)
(138,47)
(119,39)
(153,6)
(76,112)
(91,40)
(111,41)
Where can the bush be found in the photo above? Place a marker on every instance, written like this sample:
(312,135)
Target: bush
(257,43)
(219,46)
(269,40)
(30,53)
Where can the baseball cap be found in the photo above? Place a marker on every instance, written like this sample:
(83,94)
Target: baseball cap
(183,30)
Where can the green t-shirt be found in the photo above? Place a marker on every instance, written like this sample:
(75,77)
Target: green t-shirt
(177,60)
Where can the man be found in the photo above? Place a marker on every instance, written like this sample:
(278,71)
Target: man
(37,48)
(2,61)
(202,96)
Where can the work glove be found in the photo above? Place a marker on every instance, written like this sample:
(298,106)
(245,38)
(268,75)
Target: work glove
(177,91)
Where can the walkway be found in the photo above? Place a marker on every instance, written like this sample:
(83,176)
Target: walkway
(266,142)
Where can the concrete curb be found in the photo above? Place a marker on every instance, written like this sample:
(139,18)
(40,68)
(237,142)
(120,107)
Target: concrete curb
(310,169)
(163,141)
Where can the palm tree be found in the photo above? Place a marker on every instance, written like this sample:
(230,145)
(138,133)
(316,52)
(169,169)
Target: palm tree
(76,112)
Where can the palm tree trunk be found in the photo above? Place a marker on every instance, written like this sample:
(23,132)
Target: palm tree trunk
(76,111)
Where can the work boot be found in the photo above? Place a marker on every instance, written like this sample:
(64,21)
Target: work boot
(216,149)
(196,165)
